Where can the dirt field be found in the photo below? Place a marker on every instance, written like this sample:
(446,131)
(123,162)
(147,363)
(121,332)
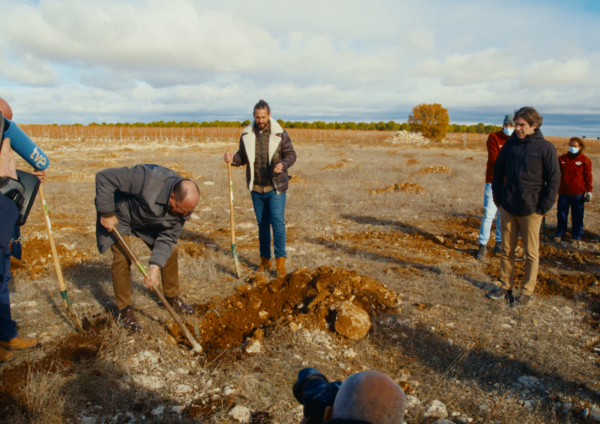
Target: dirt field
(391,228)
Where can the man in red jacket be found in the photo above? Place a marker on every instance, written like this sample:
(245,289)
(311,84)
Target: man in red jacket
(495,142)
(575,189)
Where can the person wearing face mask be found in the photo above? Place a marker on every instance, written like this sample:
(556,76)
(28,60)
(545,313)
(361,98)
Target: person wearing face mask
(494,143)
(524,186)
(152,203)
(575,189)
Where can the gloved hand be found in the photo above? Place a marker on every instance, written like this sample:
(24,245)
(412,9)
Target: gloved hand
(588,197)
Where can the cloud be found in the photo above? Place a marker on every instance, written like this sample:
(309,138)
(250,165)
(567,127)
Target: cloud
(553,72)
(421,40)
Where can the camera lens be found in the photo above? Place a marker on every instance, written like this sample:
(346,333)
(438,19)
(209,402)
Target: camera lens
(309,379)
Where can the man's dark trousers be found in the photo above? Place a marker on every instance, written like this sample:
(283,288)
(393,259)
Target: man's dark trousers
(575,202)
(8,327)
(269,208)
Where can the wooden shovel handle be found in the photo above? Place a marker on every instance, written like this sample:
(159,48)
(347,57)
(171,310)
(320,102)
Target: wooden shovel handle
(59,275)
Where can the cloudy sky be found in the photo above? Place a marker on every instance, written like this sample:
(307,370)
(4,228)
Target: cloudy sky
(69,61)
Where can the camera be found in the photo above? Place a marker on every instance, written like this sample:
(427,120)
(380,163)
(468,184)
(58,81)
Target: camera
(315,392)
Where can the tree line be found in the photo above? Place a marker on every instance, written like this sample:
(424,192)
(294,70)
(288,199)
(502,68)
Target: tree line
(362,126)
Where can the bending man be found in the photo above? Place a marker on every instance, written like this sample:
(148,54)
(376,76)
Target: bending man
(267,150)
(152,203)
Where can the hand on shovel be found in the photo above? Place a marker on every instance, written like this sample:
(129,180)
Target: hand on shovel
(109,223)
(152,280)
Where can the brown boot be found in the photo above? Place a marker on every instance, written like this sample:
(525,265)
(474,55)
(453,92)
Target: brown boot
(128,320)
(280,265)
(179,306)
(265,265)
(5,355)
(18,343)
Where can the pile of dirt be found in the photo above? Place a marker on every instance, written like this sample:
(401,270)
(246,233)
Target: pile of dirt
(407,137)
(303,299)
(410,162)
(436,169)
(37,257)
(400,188)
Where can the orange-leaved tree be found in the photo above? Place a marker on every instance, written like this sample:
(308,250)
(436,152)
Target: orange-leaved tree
(430,120)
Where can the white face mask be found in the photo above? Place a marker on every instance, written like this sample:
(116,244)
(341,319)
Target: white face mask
(508,131)
(573,150)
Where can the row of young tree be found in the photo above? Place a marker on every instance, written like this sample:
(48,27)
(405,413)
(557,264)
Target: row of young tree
(364,126)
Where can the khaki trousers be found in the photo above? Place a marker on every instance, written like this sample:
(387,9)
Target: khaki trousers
(121,274)
(529,226)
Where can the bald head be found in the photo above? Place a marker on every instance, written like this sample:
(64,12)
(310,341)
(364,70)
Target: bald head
(5,109)
(184,197)
(370,396)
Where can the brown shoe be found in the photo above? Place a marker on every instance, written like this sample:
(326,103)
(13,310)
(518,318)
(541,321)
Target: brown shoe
(179,306)
(280,266)
(265,264)
(521,301)
(18,343)
(128,320)
(6,356)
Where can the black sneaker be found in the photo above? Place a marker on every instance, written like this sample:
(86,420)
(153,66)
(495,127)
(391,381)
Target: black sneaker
(521,301)
(481,253)
(497,248)
(497,294)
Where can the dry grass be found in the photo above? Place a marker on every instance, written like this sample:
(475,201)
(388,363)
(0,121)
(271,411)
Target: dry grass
(447,342)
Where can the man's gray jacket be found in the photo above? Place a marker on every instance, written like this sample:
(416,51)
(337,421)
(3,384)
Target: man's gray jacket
(139,198)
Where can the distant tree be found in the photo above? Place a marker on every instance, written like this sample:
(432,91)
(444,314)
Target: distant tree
(351,125)
(405,127)
(380,126)
(281,122)
(431,120)
(450,128)
(471,129)
(480,128)
(246,123)
(390,126)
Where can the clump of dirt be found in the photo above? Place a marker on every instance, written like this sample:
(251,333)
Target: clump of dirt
(436,169)
(400,188)
(392,152)
(37,257)
(304,298)
(297,180)
(410,162)
(339,164)
(471,158)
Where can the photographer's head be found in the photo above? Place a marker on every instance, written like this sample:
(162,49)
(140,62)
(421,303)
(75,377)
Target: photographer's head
(370,396)
(5,109)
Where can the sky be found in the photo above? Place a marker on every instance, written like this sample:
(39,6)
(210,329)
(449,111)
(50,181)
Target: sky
(67,61)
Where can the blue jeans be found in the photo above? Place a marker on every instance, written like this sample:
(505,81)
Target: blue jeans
(8,328)
(576,203)
(490,211)
(270,210)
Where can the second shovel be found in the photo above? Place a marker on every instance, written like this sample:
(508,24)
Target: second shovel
(233,248)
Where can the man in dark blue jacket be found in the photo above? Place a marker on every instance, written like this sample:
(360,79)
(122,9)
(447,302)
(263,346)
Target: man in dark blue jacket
(524,187)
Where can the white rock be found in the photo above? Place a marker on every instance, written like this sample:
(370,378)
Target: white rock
(351,321)
(183,388)
(158,411)
(228,391)
(464,420)
(350,353)
(484,409)
(436,409)
(209,183)
(149,382)
(240,413)
(412,402)
(148,357)
(528,381)
(88,420)
(178,409)
(441,421)
(254,347)
(528,405)
(263,314)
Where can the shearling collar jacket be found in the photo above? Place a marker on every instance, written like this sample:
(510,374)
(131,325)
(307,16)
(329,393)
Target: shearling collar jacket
(280,151)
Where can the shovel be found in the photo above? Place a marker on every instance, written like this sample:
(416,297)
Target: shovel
(233,249)
(196,346)
(61,282)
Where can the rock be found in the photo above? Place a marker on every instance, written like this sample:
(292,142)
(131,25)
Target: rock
(464,420)
(228,391)
(240,413)
(528,381)
(254,346)
(148,357)
(177,409)
(352,322)
(208,183)
(183,388)
(88,420)
(412,402)
(436,409)
(593,415)
(528,405)
(484,409)
(149,382)
(263,314)
(350,353)
(441,421)
(293,326)
(158,411)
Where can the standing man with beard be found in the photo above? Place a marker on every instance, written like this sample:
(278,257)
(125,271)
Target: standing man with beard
(494,143)
(267,150)
(525,184)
